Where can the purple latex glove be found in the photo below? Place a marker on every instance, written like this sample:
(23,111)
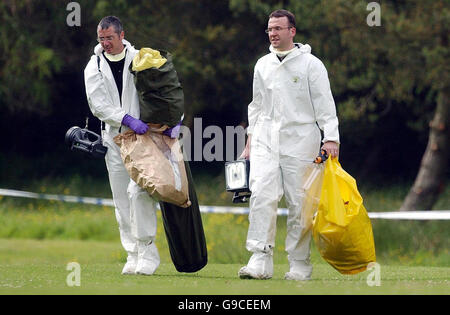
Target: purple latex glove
(134,124)
(173,132)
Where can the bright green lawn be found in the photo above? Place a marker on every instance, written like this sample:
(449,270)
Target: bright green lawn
(38,238)
(39,267)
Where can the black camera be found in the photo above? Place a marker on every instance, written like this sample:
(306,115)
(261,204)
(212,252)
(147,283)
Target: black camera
(85,141)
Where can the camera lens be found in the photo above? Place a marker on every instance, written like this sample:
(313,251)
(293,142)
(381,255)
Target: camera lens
(71,134)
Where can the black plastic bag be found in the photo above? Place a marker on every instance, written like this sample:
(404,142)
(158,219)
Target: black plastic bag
(184,232)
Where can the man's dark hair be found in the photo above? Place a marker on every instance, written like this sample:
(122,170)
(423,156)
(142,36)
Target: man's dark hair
(282,13)
(108,21)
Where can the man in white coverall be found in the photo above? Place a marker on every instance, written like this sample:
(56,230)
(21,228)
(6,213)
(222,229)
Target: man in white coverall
(113,98)
(291,100)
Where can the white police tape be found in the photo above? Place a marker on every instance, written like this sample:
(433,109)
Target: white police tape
(396,215)
(65,198)
(412,215)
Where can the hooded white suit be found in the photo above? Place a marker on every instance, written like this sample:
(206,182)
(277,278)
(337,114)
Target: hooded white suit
(135,209)
(291,100)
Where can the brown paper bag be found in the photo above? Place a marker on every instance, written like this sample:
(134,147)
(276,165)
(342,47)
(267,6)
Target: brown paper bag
(155,162)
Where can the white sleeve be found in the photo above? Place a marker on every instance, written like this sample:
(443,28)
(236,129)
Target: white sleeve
(98,97)
(323,102)
(254,108)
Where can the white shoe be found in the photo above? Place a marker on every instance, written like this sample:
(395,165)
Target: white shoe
(248,273)
(260,266)
(300,270)
(146,267)
(130,266)
(148,259)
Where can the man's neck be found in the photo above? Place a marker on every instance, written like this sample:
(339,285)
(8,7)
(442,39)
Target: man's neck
(121,51)
(290,47)
(116,57)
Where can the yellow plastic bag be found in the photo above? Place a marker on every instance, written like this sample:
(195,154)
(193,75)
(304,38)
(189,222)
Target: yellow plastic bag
(148,58)
(341,228)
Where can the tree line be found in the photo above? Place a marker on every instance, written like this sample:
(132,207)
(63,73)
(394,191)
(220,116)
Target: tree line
(390,82)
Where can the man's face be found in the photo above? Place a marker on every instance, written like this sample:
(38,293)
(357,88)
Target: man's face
(280,35)
(110,40)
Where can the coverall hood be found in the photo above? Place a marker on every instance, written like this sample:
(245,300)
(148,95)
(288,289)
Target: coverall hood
(304,48)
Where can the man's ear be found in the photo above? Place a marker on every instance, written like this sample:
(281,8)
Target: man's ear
(122,35)
(293,31)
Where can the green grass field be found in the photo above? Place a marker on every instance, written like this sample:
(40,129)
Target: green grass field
(39,267)
(39,238)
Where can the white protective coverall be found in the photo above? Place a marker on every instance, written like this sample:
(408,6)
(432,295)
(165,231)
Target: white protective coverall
(292,99)
(135,209)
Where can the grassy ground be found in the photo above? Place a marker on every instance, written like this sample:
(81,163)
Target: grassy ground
(398,242)
(39,267)
(38,238)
